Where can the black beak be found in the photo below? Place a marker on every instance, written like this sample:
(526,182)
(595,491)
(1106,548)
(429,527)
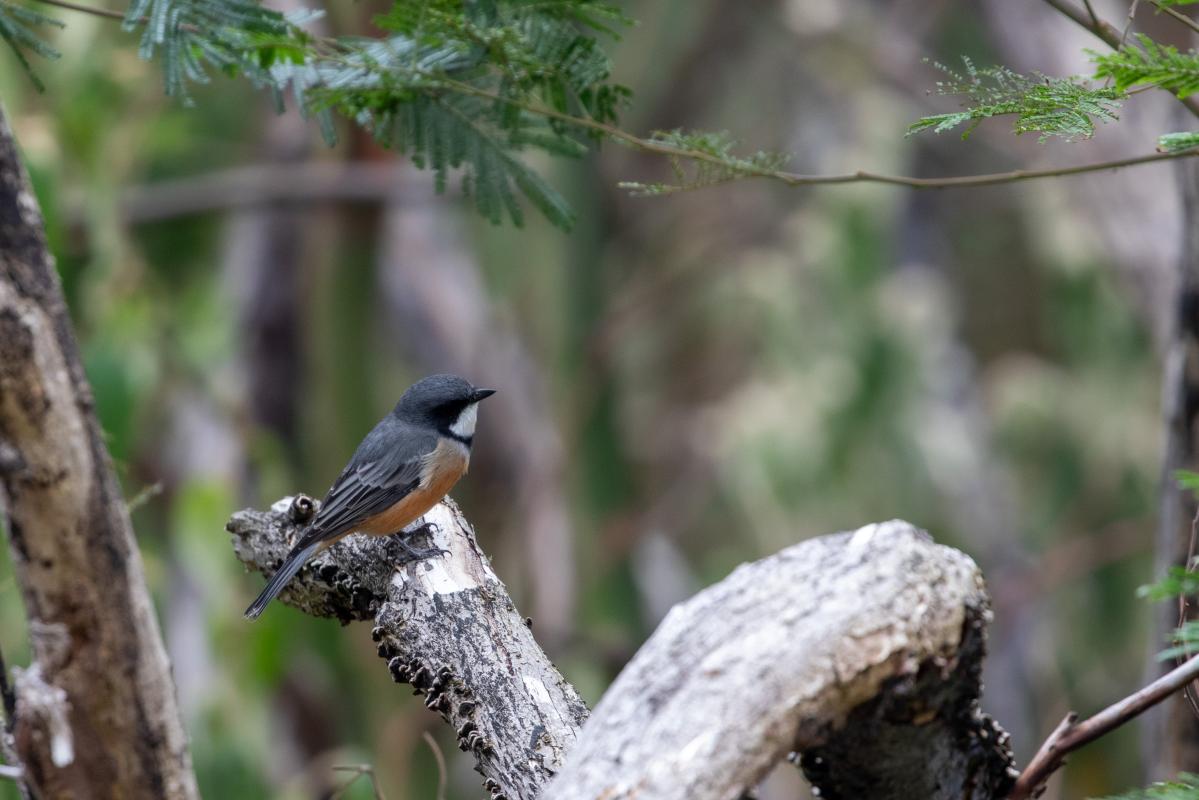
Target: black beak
(483,393)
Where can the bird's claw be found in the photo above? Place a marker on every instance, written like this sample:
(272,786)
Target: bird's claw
(411,553)
(419,553)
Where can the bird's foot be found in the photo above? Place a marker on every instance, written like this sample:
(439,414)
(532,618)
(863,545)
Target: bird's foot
(411,553)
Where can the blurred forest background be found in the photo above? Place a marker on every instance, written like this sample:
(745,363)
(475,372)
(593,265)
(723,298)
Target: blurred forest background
(685,383)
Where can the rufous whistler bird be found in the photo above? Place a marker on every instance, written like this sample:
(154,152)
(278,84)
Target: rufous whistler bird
(401,470)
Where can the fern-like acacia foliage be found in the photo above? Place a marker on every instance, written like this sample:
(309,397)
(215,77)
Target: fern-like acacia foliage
(17,25)
(467,87)
(192,36)
(462,86)
(1062,107)
(1148,63)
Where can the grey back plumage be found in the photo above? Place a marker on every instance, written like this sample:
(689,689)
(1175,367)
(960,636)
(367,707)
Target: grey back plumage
(387,464)
(384,468)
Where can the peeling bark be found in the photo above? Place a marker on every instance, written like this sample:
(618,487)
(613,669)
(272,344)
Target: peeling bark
(99,662)
(863,650)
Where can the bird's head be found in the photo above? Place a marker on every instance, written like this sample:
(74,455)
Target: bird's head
(447,402)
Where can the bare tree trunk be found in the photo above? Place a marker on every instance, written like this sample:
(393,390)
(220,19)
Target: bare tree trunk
(438,302)
(96,711)
(862,649)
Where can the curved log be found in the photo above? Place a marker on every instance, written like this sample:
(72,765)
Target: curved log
(862,650)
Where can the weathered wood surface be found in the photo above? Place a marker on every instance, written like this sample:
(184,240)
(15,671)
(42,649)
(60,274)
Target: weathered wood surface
(861,650)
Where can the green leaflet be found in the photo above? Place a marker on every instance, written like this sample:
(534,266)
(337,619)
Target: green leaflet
(192,36)
(1174,143)
(16,29)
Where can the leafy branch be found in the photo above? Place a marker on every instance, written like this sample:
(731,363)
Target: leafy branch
(192,36)
(1106,32)
(1150,64)
(1064,107)
(469,88)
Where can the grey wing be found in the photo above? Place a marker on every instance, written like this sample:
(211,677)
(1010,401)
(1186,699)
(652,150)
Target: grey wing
(372,483)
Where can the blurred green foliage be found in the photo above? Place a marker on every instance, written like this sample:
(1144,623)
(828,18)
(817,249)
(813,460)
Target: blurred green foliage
(732,371)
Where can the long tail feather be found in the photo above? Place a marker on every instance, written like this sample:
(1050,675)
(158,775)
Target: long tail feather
(295,560)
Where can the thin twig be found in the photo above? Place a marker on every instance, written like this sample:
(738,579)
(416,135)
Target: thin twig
(144,496)
(797,179)
(1091,11)
(1183,18)
(359,770)
(1188,691)
(9,697)
(1109,34)
(1132,17)
(1071,734)
(98,12)
(12,773)
(439,757)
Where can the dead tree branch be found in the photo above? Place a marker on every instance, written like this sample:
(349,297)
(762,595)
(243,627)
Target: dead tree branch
(445,625)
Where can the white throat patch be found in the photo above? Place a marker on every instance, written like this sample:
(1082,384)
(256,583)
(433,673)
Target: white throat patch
(464,426)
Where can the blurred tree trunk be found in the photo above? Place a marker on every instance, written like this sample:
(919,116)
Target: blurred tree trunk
(96,714)
(437,302)
(1172,732)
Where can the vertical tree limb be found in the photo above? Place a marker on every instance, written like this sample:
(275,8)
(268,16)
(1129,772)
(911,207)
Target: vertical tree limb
(99,661)
(1171,743)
